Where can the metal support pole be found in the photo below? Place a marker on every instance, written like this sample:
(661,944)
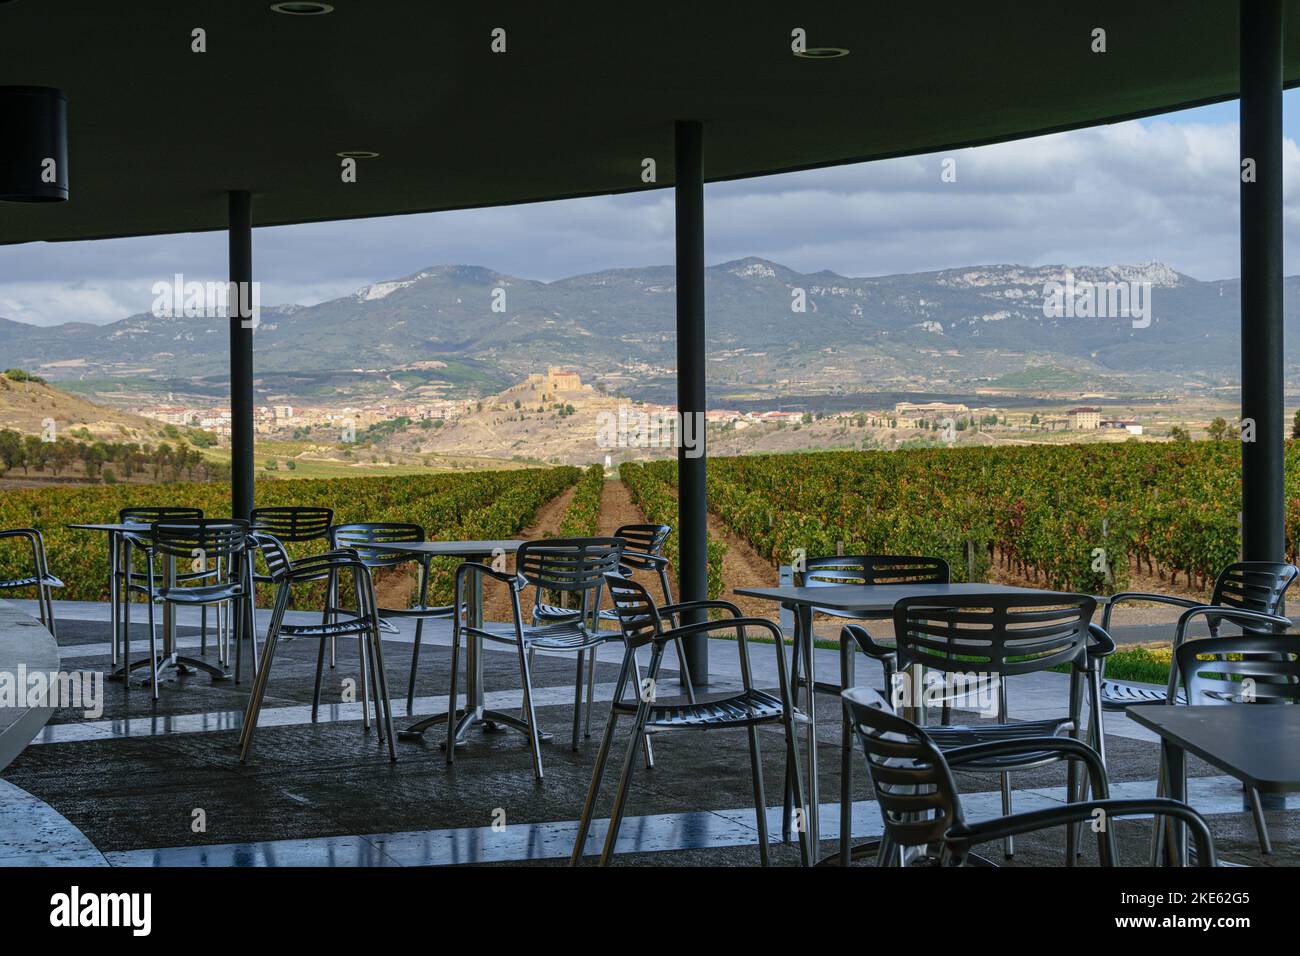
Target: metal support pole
(1262,526)
(241,355)
(692,512)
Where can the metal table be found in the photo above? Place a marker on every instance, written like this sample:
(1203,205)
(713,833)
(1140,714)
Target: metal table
(877,601)
(1258,744)
(473,712)
(169,659)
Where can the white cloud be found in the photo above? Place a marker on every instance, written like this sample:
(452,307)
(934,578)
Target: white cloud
(1151,190)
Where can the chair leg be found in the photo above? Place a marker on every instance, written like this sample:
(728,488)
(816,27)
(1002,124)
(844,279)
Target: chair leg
(685,670)
(530,714)
(365,683)
(1009,846)
(1261,825)
(237,633)
(787,806)
(203,631)
(382,696)
(760,800)
(367,650)
(625,779)
(320,667)
(649,747)
(415,660)
(846,756)
(577,701)
(451,692)
(153,640)
(593,790)
(591,688)
(259,691)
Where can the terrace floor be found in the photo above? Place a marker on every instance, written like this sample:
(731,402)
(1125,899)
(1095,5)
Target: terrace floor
(148,784)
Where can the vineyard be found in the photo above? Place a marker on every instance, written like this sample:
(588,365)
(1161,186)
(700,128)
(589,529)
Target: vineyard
(1079,517)
(479,505)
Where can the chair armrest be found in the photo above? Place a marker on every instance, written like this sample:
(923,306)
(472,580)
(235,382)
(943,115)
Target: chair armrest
(37,543)
(516,581)
(1101,644)
(705,626)
(1123,596)
(986,831)
(859,635)
(1067,747)
(667,610)
(1236,615)
(643,561)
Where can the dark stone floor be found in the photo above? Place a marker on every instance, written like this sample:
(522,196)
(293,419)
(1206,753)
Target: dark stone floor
(335,779)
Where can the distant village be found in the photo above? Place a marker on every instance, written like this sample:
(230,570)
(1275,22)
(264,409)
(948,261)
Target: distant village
(283,420)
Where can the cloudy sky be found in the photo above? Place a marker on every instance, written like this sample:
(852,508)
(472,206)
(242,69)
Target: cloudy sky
(1162,190)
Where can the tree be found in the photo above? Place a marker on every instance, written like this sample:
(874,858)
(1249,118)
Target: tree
(11,449)
(1218,429)
(1295,424)
(1179,433)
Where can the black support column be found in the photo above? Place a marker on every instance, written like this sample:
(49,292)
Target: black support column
(241,355)
(1262,513)
(692,513)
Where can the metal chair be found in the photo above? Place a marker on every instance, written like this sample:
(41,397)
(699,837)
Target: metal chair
(567,565)
(363,621)
(1257,587)
(40,578)
(642,551)
(996,636)
(125,581)
(859,569)
(642,624)
(362,538)
(1241,669)
(206,543)
(920,805)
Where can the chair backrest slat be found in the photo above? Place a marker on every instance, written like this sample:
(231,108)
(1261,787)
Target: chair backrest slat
(148,515)
(294,523)
(831,570)
(1241,669)
(1004,634)
(568,564)
(638,617)
(915,789)
(357,536)
(1254,586)
(205,539)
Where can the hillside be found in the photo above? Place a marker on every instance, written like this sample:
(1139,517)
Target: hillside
(27,407)
(436,332)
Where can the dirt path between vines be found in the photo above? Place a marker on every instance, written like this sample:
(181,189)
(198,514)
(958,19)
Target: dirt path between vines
(496,599)
(742,566)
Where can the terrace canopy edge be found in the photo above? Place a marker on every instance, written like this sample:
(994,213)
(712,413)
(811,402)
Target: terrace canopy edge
(572,106)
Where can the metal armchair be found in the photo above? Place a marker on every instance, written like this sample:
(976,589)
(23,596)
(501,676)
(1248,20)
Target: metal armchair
(40,578)
(362,621)
(1241,669)
(642,624)
(219,554)
(990,638)
(861,569)
(567,565)
(920,805)
(363,539)
(1255,586)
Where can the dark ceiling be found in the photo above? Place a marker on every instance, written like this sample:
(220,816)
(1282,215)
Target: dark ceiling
(585,91)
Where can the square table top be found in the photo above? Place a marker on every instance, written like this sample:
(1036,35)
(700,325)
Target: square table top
(878,597)
(445,549)
(1258,744)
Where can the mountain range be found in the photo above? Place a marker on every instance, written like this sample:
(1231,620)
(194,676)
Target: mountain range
(466,329)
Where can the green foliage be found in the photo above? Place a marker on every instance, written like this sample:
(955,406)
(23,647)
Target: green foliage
(651,487)
(20,375)
(582,517)
(477,505)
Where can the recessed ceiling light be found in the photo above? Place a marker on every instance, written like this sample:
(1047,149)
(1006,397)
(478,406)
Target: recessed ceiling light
(302,8)
(357,154)
(823,53)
